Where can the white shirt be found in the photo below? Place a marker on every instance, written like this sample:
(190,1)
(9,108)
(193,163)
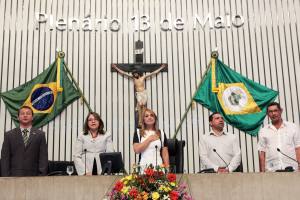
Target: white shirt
(93,146)
(286,138)
(151,155)
(226,145)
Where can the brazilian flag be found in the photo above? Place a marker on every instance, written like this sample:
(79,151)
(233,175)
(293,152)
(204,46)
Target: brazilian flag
(241,101)
(48,94)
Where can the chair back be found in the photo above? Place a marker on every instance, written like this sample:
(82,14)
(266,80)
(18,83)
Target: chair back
(176,155)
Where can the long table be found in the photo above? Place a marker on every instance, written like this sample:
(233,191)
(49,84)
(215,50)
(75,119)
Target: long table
(235,186)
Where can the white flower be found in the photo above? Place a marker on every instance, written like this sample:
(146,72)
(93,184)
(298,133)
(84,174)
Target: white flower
(166,197)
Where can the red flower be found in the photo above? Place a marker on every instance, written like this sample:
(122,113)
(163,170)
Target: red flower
(174,195)
(151,180)
(149,172)
(158,174)
(118,186)
(133,192)
(171,177)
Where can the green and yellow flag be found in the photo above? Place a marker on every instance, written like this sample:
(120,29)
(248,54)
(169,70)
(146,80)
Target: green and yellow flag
(241,101)
(48,94)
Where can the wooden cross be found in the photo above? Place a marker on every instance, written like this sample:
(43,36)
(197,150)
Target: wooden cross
(128,68)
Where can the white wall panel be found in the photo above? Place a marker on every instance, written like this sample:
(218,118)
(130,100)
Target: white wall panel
(266,49)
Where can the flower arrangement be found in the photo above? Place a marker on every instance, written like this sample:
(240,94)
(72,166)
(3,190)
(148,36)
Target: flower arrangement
(154,183)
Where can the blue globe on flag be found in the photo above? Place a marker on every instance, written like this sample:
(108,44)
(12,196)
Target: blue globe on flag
(42,98)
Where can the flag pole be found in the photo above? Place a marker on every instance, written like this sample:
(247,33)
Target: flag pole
(62,55)
(214,54)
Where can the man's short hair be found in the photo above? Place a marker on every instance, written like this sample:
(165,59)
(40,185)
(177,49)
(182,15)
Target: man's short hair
(212,116)
(27,107)
(274,104)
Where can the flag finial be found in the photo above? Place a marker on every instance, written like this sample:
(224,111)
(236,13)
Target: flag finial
(61,54)
(215,54)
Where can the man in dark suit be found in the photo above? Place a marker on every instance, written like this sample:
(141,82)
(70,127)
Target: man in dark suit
(24,150)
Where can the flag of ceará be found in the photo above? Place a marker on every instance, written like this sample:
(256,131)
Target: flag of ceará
(48,94)
(241,101)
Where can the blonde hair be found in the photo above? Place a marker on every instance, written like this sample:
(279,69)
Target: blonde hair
(155,124)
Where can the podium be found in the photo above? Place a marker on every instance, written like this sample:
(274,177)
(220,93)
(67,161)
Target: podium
(234,186)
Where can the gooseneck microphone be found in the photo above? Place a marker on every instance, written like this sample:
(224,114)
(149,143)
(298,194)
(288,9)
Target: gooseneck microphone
(156,155)
(84,150)
(214,150)
(288,156)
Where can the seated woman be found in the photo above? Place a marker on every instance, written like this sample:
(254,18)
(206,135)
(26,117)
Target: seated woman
(89,145)
(150,142)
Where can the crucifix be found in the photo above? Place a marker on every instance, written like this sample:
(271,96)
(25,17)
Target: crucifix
(136,71)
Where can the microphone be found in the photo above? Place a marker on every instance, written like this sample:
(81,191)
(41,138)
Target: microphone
(84,150)
(156,155)
(288,156)
(214,150)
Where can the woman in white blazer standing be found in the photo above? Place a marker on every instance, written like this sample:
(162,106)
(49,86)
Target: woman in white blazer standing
(90,144)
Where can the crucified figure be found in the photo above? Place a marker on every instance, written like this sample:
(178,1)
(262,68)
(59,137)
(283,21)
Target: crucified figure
(139,85)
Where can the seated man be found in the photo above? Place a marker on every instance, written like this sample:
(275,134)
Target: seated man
(279,143)
(219,150)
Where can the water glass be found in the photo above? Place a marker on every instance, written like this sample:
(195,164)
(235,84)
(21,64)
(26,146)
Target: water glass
(70,170)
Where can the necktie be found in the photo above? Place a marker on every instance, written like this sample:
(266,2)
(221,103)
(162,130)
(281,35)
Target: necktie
(25,136)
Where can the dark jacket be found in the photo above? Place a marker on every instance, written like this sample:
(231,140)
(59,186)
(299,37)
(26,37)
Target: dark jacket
(18,160)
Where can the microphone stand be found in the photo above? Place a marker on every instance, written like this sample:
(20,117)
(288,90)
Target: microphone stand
(155,156)
(84,161)
(214,150)
(288,157)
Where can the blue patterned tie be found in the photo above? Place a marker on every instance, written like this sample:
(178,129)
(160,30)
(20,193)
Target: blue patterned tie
(25,136)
